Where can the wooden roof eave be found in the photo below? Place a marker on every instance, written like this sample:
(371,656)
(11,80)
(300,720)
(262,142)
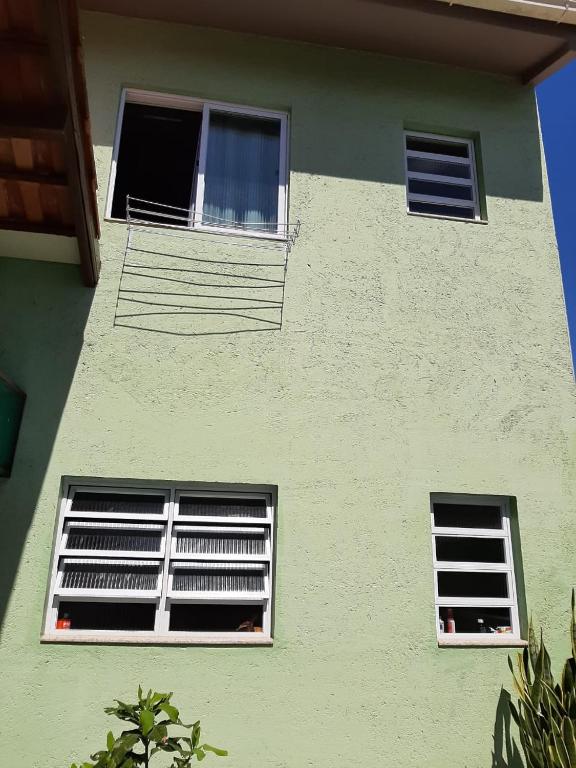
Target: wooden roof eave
(46,41)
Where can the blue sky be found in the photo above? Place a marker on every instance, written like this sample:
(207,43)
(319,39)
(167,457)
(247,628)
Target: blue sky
(557,105)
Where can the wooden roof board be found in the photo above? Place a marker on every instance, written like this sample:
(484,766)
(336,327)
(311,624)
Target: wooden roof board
(47,174)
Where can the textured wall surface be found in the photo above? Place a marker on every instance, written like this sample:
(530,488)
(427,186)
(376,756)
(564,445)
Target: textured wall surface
(416,355)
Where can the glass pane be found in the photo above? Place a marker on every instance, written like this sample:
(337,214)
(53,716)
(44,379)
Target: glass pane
(85,501)
(114,539)
(228,543)
(218,580)
(481,620)
(467,516)
(472,584)
(439,167)
(156,161)
(214,507)
(113,616)
(242,172)
(215,618)
(96,576)
(438,189)
(437,146)
(455,211)
(470,550)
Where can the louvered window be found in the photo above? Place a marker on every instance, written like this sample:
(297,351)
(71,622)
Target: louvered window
(171,562)
(441,177)
(474,579)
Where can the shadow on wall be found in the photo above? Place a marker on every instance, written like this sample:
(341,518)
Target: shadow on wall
(43,311)
(348,109)
(198,284)
(506,753)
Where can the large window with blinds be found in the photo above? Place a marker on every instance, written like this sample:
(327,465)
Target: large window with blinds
(441,176)
(199,164)
(169,564)
(474,577)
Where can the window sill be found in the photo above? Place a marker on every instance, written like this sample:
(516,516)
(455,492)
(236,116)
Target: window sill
(446,218)
(472,641)
(222,232)
(143,638)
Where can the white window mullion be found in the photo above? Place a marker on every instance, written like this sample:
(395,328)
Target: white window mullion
(162,620)
(473,602)
(283,179)
(197,205)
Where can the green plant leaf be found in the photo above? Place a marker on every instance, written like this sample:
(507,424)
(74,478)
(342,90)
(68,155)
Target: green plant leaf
(146,721)
(533,649)
(514,712)
(171,711)
(158,732)
(215,750)
(148,732)
(573,627)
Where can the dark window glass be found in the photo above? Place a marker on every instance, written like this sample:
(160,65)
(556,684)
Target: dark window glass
(470,550)
(438,189)
(112,616)
(218,580)
(467,516)
(455,211)
(437,146)
(471,584)
(96,576)
(228,543)
(114,539)
(214,507)
(156,160)
(476,619)
(439,167)
(85,501)
(215,618)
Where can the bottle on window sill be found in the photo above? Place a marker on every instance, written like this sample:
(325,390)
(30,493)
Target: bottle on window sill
(64,622)
(441,625)
(481,626)
(450,623)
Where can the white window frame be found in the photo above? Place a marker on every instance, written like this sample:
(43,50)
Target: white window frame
(173,101)
(504,534)
(166,559)
(434,199)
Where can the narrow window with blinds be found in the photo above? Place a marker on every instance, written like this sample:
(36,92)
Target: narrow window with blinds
(170,564)
(474,581)
(441,178)
(185,162)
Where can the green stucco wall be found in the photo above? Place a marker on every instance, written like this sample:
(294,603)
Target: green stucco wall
(416,355)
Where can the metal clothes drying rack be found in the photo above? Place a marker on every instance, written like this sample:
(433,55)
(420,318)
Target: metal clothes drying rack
(185,274)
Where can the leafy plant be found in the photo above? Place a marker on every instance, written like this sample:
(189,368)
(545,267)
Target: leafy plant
(546,711)
(151,717)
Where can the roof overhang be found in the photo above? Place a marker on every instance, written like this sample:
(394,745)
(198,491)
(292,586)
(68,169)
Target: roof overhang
(548,10)
(518,46)
(47,174)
